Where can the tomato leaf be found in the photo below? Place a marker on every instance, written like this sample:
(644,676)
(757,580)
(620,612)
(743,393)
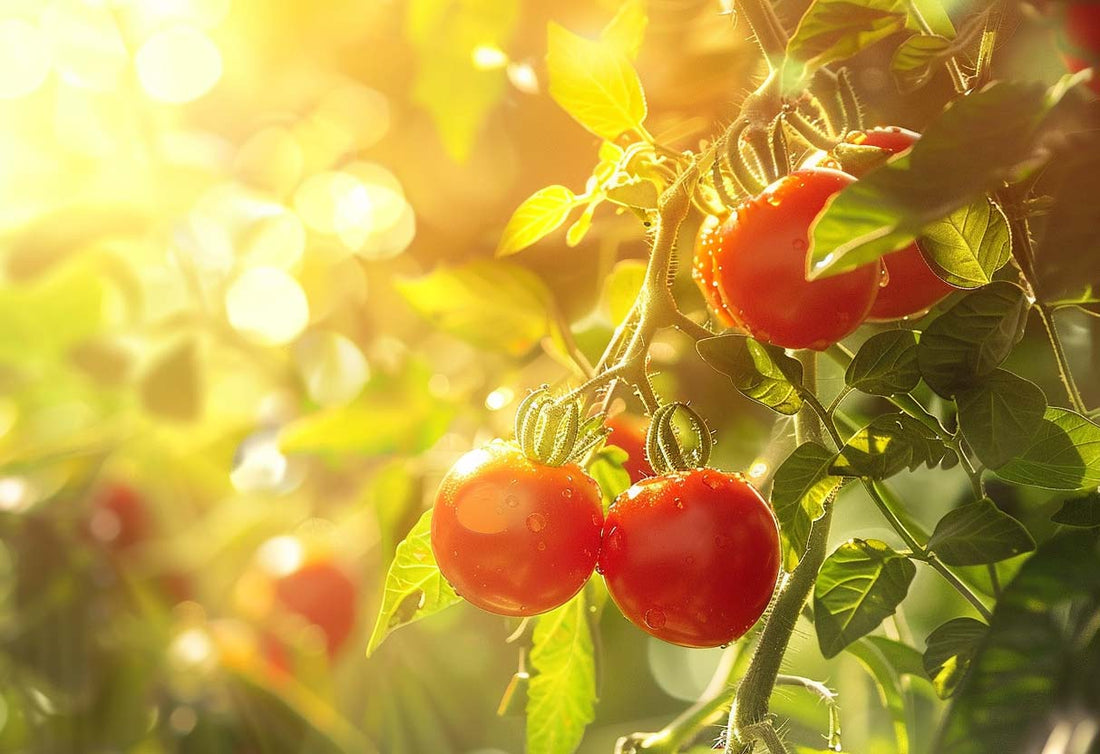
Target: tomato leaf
(595,83)
(1083,511)
(886,364)
(579,229)
(860,584)
(971,339)
(801,486)
(414,587)
(949,652)
(498,306)
(832,30)
(539,215)
(888,444)
(1038,665)
(999,416)
(621,288)
(172,388)
(607,469)
(888,662)
(624,33)
(916,59)
(969,245)
(638,193)
(761,372)
(1063,454)
(978,533)
(562,696)
(934,16)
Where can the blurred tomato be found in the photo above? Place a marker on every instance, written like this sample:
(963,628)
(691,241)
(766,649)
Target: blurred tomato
(628,432)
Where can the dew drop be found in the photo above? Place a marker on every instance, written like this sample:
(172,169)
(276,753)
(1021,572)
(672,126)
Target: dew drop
(654,618)
(679,503)
(883,277)
(536,522)
(720,541)
(511,501)
(799,245)
(710,480)
(542,546)
(773,200)
(569,478)
(596,520)
(567,492)
(689,560)
(599,568)
(725,646)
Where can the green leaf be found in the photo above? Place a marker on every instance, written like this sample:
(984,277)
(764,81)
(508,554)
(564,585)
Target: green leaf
(624,33)
(539,215)
(638,193)
(886,364)
(621,288)
(860,584)
(594,83)
(414,587)
(172,388)
(888,444)
(916,59)
(891,690)
(978,533)
(966,343)
(761,372)
(498,306)
(579,229)
(1081,511)
(1035,673)
(832,30)
(971,148)
(1063,454)
(562,696)
(969,245)
(607,469)
(934,15)
(801,486)
(950,650)
(999,416)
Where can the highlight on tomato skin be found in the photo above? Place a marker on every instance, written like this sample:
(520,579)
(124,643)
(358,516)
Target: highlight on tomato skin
(707,240)
(514,536)
(691,557)
(629,433)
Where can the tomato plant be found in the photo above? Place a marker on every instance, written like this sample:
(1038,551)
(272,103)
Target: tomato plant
(628,433)
(119,517)
(1082,38)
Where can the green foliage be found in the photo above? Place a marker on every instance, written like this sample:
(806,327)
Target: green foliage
(950,650)
(1063,454)
(759,371)
(979,533)
(888,444)
(969,245)
(889,662)
(1083,511)
(607,469)
(886,364)
(916,59)
(832,30)
(999,416)
(800,489)
(540,215)
(621,288)
(172,387)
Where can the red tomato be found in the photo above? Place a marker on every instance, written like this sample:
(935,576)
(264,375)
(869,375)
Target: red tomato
(628,433)
(702,269)
(911,288)
(321,592)
(760,267)
(119,518)
(691,557)
(514,536)
(1082,22)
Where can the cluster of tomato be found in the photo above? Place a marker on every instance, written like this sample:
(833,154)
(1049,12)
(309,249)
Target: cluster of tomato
(751,265)
(691,557)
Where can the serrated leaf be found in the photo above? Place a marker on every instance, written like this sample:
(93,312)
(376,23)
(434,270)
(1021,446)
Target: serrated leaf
(1083,511)
(860,584)
(950,650)
(1040,658)
(978,533)
(971,339)
(639,193)
(624,33)
(498,306)
(562,695)
(594,83)
(888,444)
(969,245)
(172,388)
(539,215)
(832,30)
(761,372)
(608,471)
(415,588)
(999,416)
(971,148)
(886,364)
(801,486)
(621,288)
(1063,454)
(916,59)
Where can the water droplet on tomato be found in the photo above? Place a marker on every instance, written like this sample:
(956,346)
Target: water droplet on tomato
(799,245)
(773,200)
(689,560)
(596,520)
(654,618)
(536,522)
(725,646)
(542,546)
(679,503)
(567,492)
(599,568)
(710,480)
(720,541)
(614,539)
(883,277)
(511,501)
(569,478)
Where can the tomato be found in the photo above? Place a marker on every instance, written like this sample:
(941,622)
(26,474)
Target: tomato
(702,269)
(628,432)
(514,536)
(691,557)
(322,593)
(911,288)
(119,518)
(1082,39)
(759,267)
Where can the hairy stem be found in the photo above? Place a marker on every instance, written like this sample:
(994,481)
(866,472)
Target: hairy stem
(767,28)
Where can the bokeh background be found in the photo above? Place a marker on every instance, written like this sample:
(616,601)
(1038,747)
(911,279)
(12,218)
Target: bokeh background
(222,403)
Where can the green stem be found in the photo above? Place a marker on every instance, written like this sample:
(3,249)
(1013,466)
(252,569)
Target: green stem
(1046,316)
(958,79)
(768,30)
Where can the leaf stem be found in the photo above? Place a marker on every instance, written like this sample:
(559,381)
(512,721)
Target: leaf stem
(1046,316)
(768,30)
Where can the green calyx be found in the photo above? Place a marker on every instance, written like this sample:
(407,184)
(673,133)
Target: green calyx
(664,448)
(551,431)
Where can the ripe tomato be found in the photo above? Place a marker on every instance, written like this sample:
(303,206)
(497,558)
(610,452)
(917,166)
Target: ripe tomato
(1082,39)
(691,557)
(910,287)
(759,267)
(323,594)
(119,518)
(628,432)
(514,536)
(702,269)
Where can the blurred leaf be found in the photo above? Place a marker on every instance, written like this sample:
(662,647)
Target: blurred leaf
(562,696)
(172,388)
(595,83)
(607,469)
(888,681)
(51,313)
(579,229)
(54,236)
(832,30)
(761,372)
(1081,511)
(414,588)
(539,215)
(1036,670)
(971,339)
(105,360)
(638,193)
(860,584)
(1063,454)
(999,416)
(801,486)
(888,444)
(498,306)
(969,245)
(950,650)
(392,494)
(917,58)
(624,33)
(621,287)
(978,533)
(886,364)
(973,146)
(934,14)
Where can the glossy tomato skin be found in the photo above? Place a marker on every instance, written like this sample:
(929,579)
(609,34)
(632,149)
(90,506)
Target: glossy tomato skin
(628,432)
(514,536)
(702,268)
(760,267)
(323,594)
(910,286)
(1082,39)
(691,557)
